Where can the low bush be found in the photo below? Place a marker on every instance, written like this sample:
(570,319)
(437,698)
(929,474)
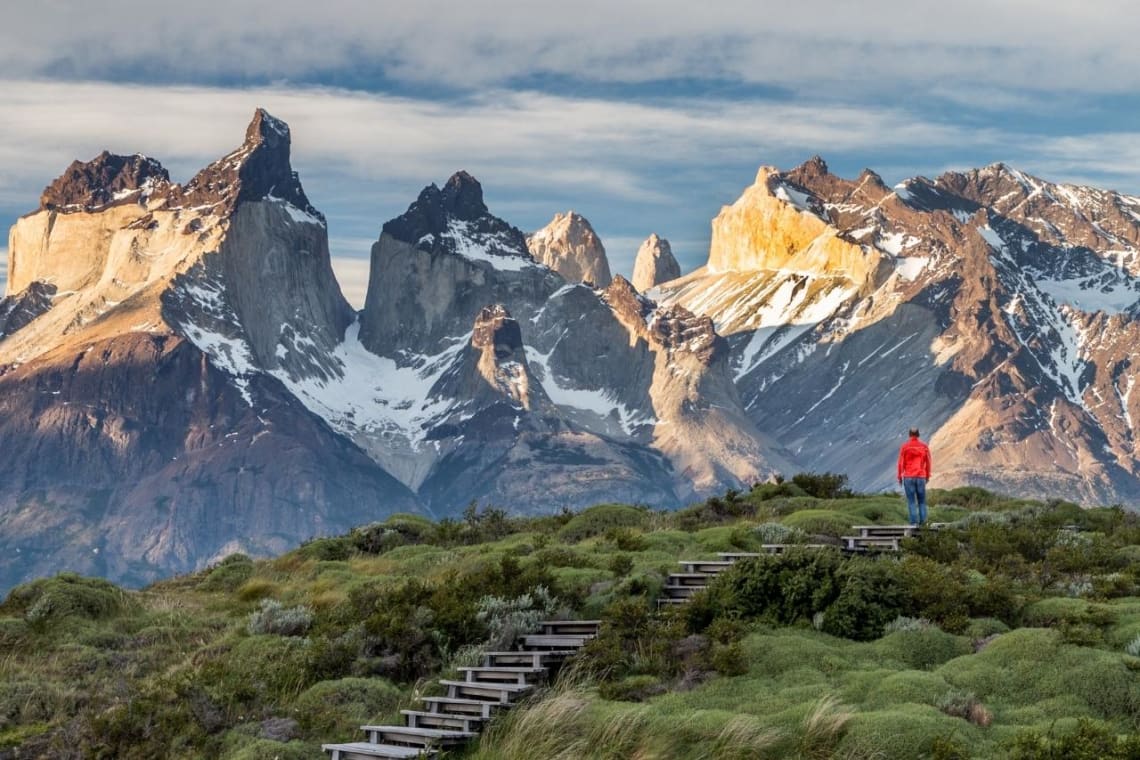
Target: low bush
(338,707)
(507,619)
(1091,740)
(596,521)
(820,522)
(827,485)
(66,595)
(276,618)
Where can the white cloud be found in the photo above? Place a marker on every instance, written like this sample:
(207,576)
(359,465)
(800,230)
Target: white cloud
(877,44)
(352,274)
(522,139)
(632,168)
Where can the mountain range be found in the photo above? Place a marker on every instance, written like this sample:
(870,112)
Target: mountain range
(181,377)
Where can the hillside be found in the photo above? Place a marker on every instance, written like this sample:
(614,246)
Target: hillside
(1012,632)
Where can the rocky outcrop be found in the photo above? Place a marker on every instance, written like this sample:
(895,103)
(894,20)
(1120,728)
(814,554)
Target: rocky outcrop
(569,246)
(437,265)
(20,309)
(104,181)
(654,264)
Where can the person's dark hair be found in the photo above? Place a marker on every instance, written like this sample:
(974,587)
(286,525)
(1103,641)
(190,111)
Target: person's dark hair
(914,432)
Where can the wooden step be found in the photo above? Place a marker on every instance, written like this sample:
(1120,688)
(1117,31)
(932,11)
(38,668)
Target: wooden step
(680,592)
(697,580)
(536,658)
(416,737)
(885,531)
(705,566)
(446,721)
(544,641)
(491,692)
(570,627)
(500,674)
(458,706)
(369,751)
(671,600)
(861,543)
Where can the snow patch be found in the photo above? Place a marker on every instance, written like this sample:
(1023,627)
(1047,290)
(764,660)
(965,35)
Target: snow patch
(800,200)
(296,214)
(590,400)
(375,395)
(494,249)
(910,267)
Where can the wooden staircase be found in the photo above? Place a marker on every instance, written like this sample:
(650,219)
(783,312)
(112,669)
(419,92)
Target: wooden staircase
(696,574)
(498,684)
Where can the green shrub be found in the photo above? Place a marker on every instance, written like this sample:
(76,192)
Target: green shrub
(870,596)
(230,573)
(900,687)
(14,634)
(621,565)
(259,670)
(903,732)
(596,521)
(328,549)
(778,533)
(827,485)
(626,540)
(338,707)
(276,618)
(257,588)
(507,619)
(66,595)
(767,491)
(821,522)
(238,746)
(1090,741)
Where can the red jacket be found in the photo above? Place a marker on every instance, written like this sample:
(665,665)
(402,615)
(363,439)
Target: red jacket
(914,460)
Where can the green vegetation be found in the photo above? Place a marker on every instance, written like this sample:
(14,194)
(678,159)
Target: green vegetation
(1012,633)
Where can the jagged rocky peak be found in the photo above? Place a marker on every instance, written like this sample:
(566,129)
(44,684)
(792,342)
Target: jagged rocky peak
(455,220)
(654,264)
(781,223)
(439,263)
(105,180)
(569,246)
(259,169)
(631,307)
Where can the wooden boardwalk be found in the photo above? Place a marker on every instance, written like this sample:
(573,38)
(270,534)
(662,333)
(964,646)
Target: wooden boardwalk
(696,574)
(498,684)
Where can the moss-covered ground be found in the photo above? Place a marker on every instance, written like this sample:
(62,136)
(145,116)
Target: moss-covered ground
(1014,632)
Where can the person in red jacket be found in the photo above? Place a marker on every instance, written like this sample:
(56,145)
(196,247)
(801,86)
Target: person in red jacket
(914,471)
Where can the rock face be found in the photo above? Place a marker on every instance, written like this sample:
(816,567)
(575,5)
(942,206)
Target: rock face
(654,264)
(569,246)
(995,311)
(147,331)
(574,396)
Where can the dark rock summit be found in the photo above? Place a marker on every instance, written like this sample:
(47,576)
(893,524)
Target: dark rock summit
(257,170)
(104,181)
(438,264)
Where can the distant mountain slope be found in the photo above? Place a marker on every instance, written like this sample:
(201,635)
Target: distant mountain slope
(141,431)
(995,311)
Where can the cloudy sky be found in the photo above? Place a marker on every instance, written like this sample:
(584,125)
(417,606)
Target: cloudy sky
(643,116)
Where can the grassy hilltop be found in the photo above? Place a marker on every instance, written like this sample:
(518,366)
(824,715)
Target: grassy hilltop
(1013,633)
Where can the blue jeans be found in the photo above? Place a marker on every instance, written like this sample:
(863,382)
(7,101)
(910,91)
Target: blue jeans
(915,489)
